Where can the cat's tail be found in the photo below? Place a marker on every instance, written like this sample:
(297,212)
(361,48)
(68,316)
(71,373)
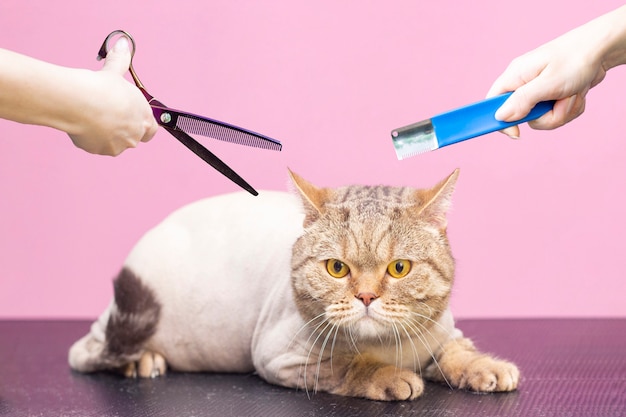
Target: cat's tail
(118,337)
(86,353)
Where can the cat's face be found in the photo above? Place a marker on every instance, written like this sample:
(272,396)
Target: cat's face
(373,259)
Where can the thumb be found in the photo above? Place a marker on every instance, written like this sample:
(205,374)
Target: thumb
(522,101)
(118,58)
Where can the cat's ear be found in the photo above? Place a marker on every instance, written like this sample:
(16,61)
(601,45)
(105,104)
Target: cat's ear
(435,202)
(313,198)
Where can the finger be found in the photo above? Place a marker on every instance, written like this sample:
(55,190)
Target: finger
(511,131)
(503,85)
(564,111)
(519,72)
(150,131)
(522,101)
(118,58)
(500,86)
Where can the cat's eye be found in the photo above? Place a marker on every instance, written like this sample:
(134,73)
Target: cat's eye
(399,268)
(336,268)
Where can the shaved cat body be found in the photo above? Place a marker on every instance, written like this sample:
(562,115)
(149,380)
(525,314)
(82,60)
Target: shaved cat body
(341,290)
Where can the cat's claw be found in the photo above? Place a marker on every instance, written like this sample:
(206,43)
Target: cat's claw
(150,365)
(129,370)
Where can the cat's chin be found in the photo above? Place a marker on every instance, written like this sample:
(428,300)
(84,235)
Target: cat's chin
(369,328)
(368,323)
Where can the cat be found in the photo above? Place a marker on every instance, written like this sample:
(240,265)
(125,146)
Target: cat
(339,290)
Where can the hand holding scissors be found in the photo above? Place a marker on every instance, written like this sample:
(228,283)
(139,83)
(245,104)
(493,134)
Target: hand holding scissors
(179,123)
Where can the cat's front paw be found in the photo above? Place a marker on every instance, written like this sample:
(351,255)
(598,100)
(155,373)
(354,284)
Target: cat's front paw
(487,374)
(394,384)
(150,365)
(459,364)
(366,377)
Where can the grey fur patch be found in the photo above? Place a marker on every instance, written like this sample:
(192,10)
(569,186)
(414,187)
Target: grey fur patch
(133,319)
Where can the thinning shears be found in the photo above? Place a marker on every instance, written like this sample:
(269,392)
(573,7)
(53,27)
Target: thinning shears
(179,123)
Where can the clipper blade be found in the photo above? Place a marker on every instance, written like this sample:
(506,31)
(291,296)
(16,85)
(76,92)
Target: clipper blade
(414,139)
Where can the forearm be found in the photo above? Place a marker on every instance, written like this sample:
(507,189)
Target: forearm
(615,37)
(36,92)
(101,111)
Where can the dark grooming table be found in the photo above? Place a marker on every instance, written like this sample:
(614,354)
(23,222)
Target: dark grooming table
(570,367)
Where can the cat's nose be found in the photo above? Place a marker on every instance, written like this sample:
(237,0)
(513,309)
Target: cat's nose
(366,297)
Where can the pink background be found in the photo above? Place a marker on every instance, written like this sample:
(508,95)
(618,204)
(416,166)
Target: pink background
(537,226)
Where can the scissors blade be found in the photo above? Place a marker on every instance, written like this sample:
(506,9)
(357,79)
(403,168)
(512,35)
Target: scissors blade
(200,125)
(211,159)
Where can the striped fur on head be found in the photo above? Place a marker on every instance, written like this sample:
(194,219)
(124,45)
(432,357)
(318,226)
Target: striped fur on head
(368,228)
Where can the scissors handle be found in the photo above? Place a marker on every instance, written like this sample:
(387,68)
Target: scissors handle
(179,134)
(104,49)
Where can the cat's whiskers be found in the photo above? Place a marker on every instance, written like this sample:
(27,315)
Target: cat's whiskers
(344,318)
(416,358)
(396,316)
(421,337)
(329,327)
(435,322)
(422,319)
(304,326)
(402,315)
(307,325)
(415,325)
(392,315)
(350,337)
(311,347)
(321,354)
(398,343)
(332,348)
